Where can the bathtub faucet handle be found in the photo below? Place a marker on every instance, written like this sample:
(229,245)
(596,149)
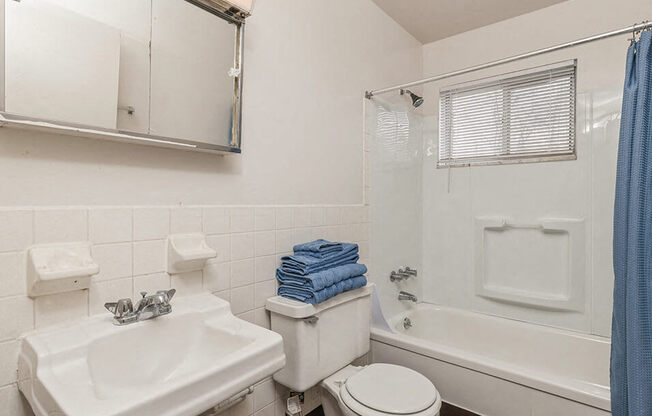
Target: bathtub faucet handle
(397,276)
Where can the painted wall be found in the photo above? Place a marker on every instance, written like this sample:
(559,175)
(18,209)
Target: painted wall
(308,63)
(527,193)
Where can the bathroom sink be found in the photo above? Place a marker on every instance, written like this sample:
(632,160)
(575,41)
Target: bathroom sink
(175,365)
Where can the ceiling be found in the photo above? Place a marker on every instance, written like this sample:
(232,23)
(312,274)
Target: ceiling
(431,20)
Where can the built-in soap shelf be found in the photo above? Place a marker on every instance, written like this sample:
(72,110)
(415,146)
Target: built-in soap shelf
(188,252)
(57,268)
(538,263)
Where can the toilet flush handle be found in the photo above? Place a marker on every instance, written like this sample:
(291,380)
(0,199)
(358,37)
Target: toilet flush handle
(311,319)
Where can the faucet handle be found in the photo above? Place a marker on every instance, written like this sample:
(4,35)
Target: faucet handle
(167,293)
(120,308)
(143,294)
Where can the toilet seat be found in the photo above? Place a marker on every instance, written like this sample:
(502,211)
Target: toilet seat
(385,389)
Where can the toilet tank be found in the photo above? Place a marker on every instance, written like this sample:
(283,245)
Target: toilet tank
(320,339)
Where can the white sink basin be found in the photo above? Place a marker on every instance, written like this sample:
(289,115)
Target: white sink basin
(175,365)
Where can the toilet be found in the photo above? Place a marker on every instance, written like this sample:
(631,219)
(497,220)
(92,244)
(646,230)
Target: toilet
(321,341)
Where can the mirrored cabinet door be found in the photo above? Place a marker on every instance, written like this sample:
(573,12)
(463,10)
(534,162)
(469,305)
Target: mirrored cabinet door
(164,69)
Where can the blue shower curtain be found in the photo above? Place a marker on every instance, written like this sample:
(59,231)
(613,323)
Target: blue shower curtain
(631,342)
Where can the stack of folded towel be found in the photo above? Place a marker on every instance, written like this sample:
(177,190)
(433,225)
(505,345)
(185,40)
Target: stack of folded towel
(319,270)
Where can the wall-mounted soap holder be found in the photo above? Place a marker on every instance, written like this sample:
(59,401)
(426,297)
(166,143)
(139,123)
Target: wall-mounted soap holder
(188,252)
(57,268)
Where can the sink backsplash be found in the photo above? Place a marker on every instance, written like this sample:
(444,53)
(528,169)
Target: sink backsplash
(129,244)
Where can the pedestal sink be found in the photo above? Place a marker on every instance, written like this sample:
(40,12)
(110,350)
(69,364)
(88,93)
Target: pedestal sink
(175,365)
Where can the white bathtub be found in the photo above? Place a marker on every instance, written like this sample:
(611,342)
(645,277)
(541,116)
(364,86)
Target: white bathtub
(500,367)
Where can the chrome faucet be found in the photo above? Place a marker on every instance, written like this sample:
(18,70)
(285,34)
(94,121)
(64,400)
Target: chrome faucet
(402,295)
(402,274)
(148,307)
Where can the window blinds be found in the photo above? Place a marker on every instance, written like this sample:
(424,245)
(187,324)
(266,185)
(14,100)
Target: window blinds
(517,118)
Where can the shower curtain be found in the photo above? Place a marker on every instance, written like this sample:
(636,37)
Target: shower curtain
(631,342)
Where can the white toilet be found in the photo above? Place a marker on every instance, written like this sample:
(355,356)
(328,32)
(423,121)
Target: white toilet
(321,341)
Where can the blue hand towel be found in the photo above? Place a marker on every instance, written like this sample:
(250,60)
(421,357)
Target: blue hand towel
(308,296)
(322,279)
(318,248)
(304,264)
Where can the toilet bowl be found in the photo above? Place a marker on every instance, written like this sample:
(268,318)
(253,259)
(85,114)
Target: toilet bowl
(379,390)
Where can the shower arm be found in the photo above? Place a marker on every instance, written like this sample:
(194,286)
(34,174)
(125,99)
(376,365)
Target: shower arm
(634,30)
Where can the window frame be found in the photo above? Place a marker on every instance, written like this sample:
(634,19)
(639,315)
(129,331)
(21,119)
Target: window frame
(494,83)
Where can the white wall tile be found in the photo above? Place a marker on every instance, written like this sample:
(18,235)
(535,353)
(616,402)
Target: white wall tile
(302,235)
(16,229)
(217,220)
(332,215)
(151,223)
(352,215)
(108,291)
(222,244)
(242,246)
(12,274)
(13,403)
(149,257)
(265,243)
(17,317)
(60,225)
(248,316)
(284,218)
(242,299)
(284,241)
(62,307)
(262,318)
(264,394)
(185,220)
(110,225)
(242,272)
(242,220)
(115,260)
(301,217)
(150,283)
(244,408)
(217,277)
(223,294)
(189,283)
(266,411)
(263,290)
(316,216)
(264,219)
(265,268)
(9,362)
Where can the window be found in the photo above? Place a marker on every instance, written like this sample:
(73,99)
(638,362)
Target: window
(526,116)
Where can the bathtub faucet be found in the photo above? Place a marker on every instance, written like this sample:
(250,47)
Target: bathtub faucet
(402,274)
(402,295)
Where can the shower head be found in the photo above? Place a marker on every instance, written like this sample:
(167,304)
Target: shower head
(416,100)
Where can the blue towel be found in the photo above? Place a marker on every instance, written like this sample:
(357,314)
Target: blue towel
(318,248)
(322,279)
(309,296)
(304,264)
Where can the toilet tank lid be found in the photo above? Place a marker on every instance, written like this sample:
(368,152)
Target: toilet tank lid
(295,309)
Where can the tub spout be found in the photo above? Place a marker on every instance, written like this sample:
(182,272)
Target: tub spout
(402,295)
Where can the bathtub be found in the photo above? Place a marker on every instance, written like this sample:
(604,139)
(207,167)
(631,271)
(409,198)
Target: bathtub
(499,367)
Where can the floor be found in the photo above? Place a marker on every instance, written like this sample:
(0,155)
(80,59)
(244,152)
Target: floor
(446,410)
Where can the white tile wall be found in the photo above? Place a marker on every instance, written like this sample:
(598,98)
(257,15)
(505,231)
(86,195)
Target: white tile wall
(129,245)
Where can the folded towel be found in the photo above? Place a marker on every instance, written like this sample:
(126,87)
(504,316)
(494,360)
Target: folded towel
(322,279)
(318,248)
(302,264)
(308,296)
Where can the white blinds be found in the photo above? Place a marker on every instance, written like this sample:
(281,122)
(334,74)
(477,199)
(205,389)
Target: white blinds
(522,117)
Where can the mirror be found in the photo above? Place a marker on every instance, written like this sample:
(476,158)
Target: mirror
(161,71)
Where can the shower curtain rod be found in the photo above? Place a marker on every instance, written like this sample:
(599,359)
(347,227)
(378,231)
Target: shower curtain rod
(634,29)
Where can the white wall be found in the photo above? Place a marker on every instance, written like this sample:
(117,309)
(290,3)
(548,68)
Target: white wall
(307,64)
(580,189)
